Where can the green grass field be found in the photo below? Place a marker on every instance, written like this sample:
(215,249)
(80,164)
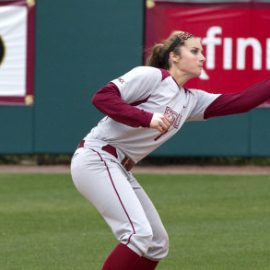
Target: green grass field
(214,222)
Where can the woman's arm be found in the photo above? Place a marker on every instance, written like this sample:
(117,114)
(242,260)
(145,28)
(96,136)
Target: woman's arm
(235,103)
(108,100)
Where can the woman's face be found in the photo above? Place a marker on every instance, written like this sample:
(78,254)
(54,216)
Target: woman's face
(191,58)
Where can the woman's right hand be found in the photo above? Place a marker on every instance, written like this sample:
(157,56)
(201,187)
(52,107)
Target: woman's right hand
(160,122)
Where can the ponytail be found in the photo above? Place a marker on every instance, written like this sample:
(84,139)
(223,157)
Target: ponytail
(156,58)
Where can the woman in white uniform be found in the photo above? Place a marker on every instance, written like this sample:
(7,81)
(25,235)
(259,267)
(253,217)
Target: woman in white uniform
(144,108)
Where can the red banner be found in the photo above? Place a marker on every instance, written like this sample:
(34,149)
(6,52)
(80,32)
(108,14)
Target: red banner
(235,37)
(17,52)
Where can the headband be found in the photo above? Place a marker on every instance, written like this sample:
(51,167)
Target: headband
(180,38)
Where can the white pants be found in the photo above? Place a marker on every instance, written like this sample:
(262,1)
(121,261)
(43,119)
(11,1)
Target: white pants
(120,199)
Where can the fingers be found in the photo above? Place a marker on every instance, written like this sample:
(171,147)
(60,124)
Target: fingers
(160,122)
(164,124)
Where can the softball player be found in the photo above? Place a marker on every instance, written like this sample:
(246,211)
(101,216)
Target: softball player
(144,108)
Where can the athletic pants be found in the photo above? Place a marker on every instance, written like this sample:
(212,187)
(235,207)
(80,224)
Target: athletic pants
(122,202)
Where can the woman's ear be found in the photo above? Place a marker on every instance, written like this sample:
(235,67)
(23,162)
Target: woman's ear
(174,57)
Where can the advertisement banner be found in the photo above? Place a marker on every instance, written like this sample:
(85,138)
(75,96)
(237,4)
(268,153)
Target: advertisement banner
(235,38)
(17,52)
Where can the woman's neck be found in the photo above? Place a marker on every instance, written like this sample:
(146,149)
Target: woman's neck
(180,77)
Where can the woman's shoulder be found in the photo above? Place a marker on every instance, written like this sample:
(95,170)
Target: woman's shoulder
(146,69)
(151,71)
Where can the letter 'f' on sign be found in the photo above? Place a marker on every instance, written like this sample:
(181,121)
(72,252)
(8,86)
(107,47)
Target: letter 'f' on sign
(210,41)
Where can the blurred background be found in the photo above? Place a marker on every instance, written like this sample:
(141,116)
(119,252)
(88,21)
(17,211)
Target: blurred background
(78,46)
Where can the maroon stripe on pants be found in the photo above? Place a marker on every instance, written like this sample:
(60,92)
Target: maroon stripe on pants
(119,198)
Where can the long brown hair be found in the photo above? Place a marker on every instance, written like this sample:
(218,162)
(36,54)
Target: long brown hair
(159,56)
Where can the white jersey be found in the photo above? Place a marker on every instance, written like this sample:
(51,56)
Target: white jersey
(158,95)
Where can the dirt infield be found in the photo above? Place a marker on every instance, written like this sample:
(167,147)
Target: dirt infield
(216,170)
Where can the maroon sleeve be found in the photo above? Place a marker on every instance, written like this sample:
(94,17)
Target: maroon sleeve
(108,100)
(239,102)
